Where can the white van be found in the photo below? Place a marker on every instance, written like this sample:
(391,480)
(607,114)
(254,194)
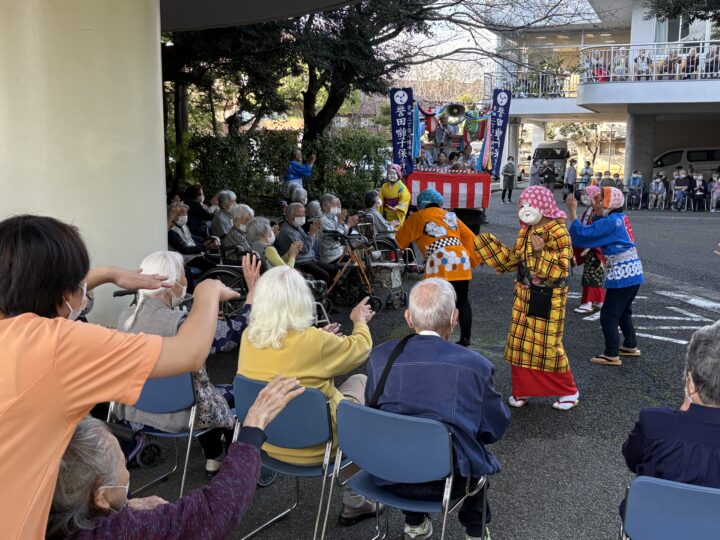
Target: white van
(704,160)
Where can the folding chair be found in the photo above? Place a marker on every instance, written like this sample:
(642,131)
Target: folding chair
(658,509)
(398,449)
(304,423)
(163,396)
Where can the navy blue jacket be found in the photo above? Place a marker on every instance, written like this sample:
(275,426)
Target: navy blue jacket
(435,379)
(676,445)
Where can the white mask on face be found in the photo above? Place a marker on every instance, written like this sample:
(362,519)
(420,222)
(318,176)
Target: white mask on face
(529,215)
(378,203)
(299,221)
(335,211)
(271,238)
(75,313)
(177,300)
(392,176)
(242,227)
(181,221)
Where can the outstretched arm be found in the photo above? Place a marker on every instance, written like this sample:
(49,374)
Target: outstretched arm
(491,251)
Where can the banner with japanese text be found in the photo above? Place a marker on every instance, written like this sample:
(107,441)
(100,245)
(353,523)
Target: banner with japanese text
(401,117)
(500,118)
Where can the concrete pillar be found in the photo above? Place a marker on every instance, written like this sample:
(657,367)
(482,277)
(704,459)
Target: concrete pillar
(538,134)
(81,127)
(640,145)
(513,141)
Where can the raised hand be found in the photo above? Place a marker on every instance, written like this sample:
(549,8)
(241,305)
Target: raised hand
(251,266)
(538,244)
(362,313)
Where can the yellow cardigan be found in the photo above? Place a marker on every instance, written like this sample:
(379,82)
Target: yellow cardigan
(315,357)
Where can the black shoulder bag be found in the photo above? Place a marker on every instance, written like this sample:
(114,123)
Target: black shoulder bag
(388,366)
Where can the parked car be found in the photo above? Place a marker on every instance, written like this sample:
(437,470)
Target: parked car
(702,159)
(556,154)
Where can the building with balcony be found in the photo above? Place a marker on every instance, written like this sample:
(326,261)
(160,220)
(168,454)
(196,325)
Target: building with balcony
(661,78)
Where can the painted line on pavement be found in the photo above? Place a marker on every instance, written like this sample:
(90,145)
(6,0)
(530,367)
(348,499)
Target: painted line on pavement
(696,301)
(669,327)
(695,316)
(663,338)
(594,317)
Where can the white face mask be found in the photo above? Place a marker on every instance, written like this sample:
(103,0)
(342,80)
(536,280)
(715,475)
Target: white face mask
(299,221)
(335,211)
(271,238)
(392,176)
(242,227)
(378,203)
(181,221)
(75,313)
(177,300)
(529,215)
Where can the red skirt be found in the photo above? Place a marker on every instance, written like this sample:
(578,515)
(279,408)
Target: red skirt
(528,382)
(592,294)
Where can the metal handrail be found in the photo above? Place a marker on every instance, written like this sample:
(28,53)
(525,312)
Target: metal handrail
(642,62)
(532,84)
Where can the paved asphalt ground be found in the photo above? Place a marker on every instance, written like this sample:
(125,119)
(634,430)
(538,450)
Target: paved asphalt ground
(563,472)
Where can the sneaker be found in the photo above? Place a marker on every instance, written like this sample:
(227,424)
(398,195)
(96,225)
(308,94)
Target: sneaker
(212,466)
(487,535)
(418,532)
(350,515)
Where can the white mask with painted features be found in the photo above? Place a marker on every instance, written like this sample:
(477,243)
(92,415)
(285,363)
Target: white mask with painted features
(529,215)
(392,176)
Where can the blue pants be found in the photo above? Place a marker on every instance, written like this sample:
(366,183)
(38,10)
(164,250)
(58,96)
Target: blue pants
(680,198)
(617,310)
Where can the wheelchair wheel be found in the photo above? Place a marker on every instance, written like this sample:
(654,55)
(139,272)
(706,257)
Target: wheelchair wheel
(226,275)
(231,308)
(391,253)
(267,477)
(149,456)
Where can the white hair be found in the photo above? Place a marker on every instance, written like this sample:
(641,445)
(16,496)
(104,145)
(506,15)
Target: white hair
(282,302)
(432,304)
(225,196)
(299,195)
(163,263)
(257,228)
(313,210)
(90,461)
(242,211)
(327,200)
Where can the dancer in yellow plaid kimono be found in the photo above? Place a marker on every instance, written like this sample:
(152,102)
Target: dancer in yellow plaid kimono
(541,257)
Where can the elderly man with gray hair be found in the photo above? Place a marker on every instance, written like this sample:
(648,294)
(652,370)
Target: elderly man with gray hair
(434,378)
(683,445)
(223,220)
(334,219)
(236,236)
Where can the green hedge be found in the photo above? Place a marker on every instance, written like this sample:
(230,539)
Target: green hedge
(349,163)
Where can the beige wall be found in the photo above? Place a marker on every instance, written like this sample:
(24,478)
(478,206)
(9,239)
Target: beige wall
(81,124)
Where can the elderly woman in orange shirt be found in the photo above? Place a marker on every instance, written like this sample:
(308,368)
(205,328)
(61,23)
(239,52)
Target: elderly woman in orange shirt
(447,247)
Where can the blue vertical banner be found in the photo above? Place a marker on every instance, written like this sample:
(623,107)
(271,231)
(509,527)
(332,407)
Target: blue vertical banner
(401,118)
(499,120)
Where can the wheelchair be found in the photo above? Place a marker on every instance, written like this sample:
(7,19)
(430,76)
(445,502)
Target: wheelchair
(634,198)
(386,249)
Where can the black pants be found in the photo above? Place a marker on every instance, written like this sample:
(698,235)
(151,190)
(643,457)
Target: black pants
(470,512)
(318,270)
(569,190)
(509,194)
(463,305)
(212,443)
(617,310)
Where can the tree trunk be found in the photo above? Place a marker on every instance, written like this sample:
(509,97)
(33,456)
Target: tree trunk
(181,128)
(316,124)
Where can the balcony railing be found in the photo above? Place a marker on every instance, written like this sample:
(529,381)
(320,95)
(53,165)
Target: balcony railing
(642,62)
(532,84)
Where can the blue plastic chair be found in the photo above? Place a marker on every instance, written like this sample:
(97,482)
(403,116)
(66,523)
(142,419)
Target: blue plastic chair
(398,449)
(660,509)
(163,396)
(305,422)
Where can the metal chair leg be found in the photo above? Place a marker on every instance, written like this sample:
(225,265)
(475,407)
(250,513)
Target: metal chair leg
(325,467)
(484,511)
(281,515)
(193,411)
(162,477)
(446,504)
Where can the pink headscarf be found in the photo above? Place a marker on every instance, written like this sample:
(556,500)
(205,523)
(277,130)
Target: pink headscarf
(397,169)
(541,198)
(613,198)
(593,191)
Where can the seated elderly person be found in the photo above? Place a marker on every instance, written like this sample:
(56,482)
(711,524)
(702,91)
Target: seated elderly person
(91,502)
(261,237)
(299,195)
(235,242)
(194,251)
(281,338)
(682,190)
(307,260)
(434,378)
(199,214)
(373,204)
(154,314)
(334,219)
(222,220)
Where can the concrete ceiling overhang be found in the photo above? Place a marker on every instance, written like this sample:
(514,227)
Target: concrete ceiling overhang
(179,15)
